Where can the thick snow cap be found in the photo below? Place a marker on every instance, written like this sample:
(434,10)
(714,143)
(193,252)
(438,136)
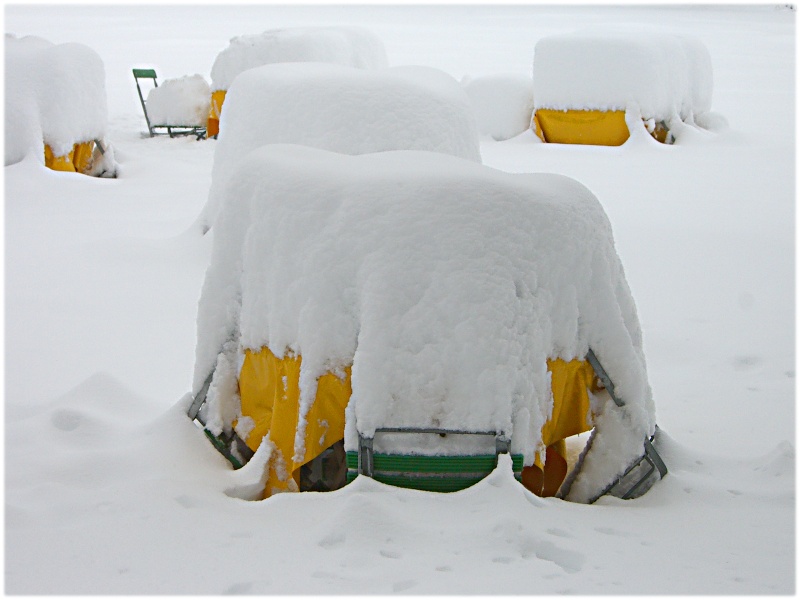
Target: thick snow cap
(666,75)
(503,104)
(348,46)
(54,94)
(342,109)
(445,283)
(180,101)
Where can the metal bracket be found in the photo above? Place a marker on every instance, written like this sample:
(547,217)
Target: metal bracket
(366,461)
(200,398)
(603,375)
(650,456)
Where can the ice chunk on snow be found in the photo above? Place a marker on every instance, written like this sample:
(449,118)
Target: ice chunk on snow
(181,101)
(503,104)
(349,46)
(342,109)
(445,283)
(54,94)
(668,75)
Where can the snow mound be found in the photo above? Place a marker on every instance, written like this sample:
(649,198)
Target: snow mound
(667,75)
(342,109)
(54,94)
(444,283)
(182,101)
(349,46)
(503,104)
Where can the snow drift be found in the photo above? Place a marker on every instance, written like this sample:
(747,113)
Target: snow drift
(503,104)
(342,109)
(667,75)
(180,101)
(54,95)
(349,46)
(445,284)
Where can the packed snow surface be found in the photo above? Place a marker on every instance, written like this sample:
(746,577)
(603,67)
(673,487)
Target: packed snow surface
(446,284)
(667,75)
(503,103)
(180,101)
(111,490)
(343,109)
(54,94)
(349,46)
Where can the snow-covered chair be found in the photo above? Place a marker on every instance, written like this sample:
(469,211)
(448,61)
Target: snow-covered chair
(179,106)
(409,290)
(56,106)
(592,87)
(348,46)
(341,109)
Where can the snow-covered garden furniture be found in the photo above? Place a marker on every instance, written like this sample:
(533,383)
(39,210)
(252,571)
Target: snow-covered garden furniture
(180,106)
(503,103)
(55,101)
(590,87)
(348,46)
(342,109)
(415,290)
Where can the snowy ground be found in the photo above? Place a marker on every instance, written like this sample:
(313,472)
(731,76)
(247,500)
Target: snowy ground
(110,489)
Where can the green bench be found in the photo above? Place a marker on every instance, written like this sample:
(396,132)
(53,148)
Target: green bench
(426,472)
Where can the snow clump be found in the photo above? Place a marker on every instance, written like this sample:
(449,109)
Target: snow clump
(54,95)
(669,76)
(342,109)
(503,104)
(446,285)
(349,46)
(182,101)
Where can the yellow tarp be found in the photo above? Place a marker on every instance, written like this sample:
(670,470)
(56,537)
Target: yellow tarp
(595,127)
(77,161)
(212,125)
(570,383)
(270,394)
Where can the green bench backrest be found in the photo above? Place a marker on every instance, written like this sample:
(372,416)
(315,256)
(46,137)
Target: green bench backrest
(144,73)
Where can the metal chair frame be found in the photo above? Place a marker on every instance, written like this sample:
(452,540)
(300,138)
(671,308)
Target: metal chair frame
(198,131)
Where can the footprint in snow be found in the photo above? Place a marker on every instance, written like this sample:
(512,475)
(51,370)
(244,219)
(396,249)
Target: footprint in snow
(402,586)
(612,531)
(559,532)
(444,568)
(185,501)
(66,419)
(746,362)
(570,561)
(332,540)
(239,588)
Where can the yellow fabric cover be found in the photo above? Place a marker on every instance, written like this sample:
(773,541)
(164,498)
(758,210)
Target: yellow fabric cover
(570,384)
(78,159)
(599,128)
(269,388)
(82,156)
(58,163)
(270,395)
(212,125)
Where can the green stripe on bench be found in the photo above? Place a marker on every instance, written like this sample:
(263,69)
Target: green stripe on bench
(416,463)
(431,473)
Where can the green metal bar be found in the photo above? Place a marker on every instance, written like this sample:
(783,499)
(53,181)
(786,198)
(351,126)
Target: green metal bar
(145,73)
(434,464)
